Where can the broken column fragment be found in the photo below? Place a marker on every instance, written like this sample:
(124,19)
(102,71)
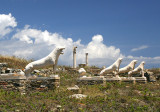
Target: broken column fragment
(74,57)
(86,59)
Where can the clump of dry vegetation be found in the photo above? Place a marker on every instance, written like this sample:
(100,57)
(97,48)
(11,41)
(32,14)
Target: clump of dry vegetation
(155,70)
(117,97)
(14,62)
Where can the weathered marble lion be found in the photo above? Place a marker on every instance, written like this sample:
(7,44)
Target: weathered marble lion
(113,68)
(139,69)
(51,59)
(129,67)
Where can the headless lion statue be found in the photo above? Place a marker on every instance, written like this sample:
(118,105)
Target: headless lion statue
(140,69)
(51,59)
(129,67)
(113,68)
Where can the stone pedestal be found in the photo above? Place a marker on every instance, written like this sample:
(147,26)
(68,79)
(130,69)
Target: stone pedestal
(11,82)
(141,79)
(91,80)
(128,79)
(102,80)
(43,82)
(113,79)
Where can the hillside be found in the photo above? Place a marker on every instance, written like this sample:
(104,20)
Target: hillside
(119,97)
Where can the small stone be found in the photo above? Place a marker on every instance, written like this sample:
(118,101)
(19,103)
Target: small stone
(36,71)
(78,96)
(74,89)
(59,107)
(81,70)
(42,86)
(17,110)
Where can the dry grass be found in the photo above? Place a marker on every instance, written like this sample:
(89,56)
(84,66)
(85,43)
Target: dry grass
(14,62)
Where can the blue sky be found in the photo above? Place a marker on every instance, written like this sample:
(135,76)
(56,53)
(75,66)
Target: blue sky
(125,24)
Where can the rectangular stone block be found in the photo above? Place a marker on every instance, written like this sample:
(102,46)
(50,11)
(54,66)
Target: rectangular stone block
(90,80)
(141,79)
(113,79)
(128,79)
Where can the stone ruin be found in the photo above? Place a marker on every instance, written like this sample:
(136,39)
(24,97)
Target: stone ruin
(111,74)
(23,85)
(16,79)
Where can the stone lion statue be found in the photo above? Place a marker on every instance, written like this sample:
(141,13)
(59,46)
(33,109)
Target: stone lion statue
(113,68)
(129,67)
(51,59)
(139,69)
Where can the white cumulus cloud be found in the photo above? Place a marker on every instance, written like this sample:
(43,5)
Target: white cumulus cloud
(139,48)
(95,48)
(99,51)
(34,44)
(34,36)
(7,23)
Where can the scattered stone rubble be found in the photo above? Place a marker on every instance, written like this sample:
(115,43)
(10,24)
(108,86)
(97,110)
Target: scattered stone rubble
(3,65)
(151,77)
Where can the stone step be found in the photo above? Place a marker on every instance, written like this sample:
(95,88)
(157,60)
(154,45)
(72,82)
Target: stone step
(128,79)
(141,79)
(113,79)
(91,80)
(103,80)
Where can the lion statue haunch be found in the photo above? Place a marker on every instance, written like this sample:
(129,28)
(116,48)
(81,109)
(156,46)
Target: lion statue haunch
(51,59)
(113,68)
(140,69)
(129,67)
